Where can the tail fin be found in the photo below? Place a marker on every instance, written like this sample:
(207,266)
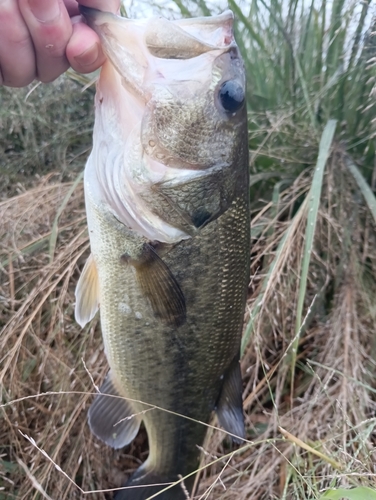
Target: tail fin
(142,485)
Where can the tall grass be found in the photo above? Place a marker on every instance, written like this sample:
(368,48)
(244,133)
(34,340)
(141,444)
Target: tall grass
(309,346)
(44,128)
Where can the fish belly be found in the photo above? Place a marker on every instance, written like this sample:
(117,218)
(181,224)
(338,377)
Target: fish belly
(174,375)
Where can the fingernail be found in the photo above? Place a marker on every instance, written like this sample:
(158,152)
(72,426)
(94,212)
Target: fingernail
(89,56)
(45,10)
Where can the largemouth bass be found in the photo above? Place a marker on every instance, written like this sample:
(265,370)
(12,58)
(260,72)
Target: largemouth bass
(166,192)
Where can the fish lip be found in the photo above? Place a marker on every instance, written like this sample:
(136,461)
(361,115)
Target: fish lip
(224,20)
(212,35)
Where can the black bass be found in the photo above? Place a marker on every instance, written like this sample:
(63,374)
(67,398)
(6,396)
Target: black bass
(166,191)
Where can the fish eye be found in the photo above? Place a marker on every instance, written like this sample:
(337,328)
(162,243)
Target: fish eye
(231,95)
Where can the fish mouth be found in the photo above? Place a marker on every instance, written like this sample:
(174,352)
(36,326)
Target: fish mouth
(179,39)
(141,48)
(171,61)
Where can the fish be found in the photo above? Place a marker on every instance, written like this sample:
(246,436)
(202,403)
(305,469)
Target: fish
(167,203)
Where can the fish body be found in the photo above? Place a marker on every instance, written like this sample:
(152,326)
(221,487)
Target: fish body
(166,192)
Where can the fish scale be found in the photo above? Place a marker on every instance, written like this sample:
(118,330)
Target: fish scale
(168,218)
(198,351)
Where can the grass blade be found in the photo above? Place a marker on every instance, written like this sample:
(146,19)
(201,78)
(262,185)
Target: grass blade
(260,299)
(298,442)
(364,187)
(28,249)
(360,493)
(183,9)
(54,230)
(247,23)
(274,268)
(313,207)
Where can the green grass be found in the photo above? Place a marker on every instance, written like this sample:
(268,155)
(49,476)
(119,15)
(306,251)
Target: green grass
(44,128)
(309,342)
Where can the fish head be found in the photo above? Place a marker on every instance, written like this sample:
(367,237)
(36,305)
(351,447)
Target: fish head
(171,95)
(184,80)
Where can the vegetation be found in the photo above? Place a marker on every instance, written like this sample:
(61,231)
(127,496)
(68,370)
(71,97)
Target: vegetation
(309,346)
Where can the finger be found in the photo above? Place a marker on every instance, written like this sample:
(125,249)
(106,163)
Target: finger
(50,29)
(17,60)
(105,5)
(84,51)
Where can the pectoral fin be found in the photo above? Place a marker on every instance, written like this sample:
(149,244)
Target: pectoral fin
(159,285)
(230,406)
(87,293)
(112,418)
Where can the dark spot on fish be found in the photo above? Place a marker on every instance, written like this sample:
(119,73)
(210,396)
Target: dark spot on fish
(101,100)
(125,258)
(200,217)
(156,245)
(234,54)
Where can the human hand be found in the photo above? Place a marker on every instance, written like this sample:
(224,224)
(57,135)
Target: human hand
(40,39)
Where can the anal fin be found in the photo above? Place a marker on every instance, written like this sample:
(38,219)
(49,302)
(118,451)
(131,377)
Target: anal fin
(230,405)
(87,293)
(160,286)
(112,418)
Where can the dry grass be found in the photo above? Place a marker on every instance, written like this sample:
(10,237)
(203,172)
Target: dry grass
(330,406)
(310,413)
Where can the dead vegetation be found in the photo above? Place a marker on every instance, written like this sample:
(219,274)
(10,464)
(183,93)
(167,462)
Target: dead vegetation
(324,397)
(309,345)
